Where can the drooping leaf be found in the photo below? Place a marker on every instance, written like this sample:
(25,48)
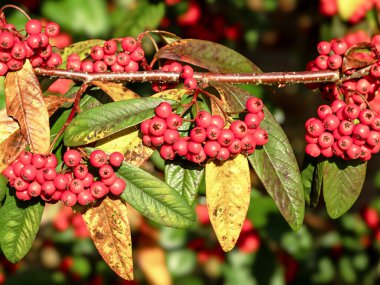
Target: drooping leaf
(19,225)
(3,189)
(317,184)
(109,229)
(117,91)
(24,101)
(90,126)
(166,36)
(155,199)
(209,55)
(312,177)
(82,48)
(342,184)
(228,188)
(185,178)
(276,167)
(358,56)
(233,97)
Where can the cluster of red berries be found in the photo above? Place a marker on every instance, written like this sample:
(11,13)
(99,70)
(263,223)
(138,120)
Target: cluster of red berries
(67,218)
(16,48)
(343,130)
(208,139)
(186,73)
(371,217)
(109,58)
(330,8)
(35,175)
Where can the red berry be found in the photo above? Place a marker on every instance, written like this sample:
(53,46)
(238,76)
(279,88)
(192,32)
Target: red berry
(52,29)
(213,132)
(109,59)
(324,48)
(138,54)
(87,181)
(61,182)
(109,181)
(248,143)
(366,116)
(116,159)
(212,148)
(199,157)
(239,128)
(68,198)
(260,136)
(345,142)
(26,157)
(20,184)
(28,172)
(334,61)
(173,121)
(80,171)
(314,127)
(362,86)
(167,152)
(194,147)
(163,110)
(3,68)
(98,158)
(106,171)
(74,65)
(373,138)
(171,136)
(351,111)
(34,41)
(87,66)
(226,137)
(129,44)
(188,72)
(252,120)
(33,27)
(72,157)
(223,154)
(331,122)
(97,53)
(321,62)
(51,161)
(157,126)
(203,119)
(15,64)
(371,217)
(345,127)
(132,66)
(254,105)
(323,111)
(39,161)
(9,173)
(100,66)
(157,141)
(180,147)
(76,186)
(326,140)
(85,198)
(23,195)
(218,121)
(235,147)
(110,47)
(34,189)
(198,134)
(18,51)
(118,186)
(123,59)
(353,152)
(313,150)
(339,46)
(7,40)
(190,83)
(98,189)
(337,104)
(360,131)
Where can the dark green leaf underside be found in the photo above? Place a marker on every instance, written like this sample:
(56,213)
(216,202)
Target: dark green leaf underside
(342,184)
(185,178)
(276,167)
(155,199)
(19,225)
(3,188)
(105,120)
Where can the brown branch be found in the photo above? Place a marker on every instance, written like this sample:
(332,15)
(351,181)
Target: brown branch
(273,78)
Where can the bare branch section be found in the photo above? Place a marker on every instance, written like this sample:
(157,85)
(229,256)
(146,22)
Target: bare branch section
(272,78)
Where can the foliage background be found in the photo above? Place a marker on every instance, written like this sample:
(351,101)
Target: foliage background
(277,35)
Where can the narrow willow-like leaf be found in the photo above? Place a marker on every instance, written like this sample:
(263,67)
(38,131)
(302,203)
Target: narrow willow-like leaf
(155,199)
(105,120)
(109,229)
(25,103)
(185,178)
(166,36)
(342,184)
(3,189)
(209,55)
(276,167)
(82,48)
(307,174)
(317,184)
(228,188)
(19,225)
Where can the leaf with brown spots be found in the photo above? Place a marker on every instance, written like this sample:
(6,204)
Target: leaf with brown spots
(228,188)
(116,91)
(53,102)
(25,103)
(109,229)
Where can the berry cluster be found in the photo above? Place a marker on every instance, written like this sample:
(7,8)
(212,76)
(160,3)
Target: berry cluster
(35,175)
(208,139)
(330,8)
(109,58)
(186,72)
(343,130)
(16,48)
(67,218)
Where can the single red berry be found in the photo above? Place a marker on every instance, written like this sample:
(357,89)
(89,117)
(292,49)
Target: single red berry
(9,173)
(239,128)
(198,134)
(187,72)
(376,123)
(313,150)
(52,29)
(346,127)
(118,186)
(337,151)
(334,61)
(321,62)
(7,40)
(235,146)
(353,152)
(190,83)
(157,126)
(51,161)
(173,121)
(33,27)
(336,105)
(20,184)
(324,48)
(375,70)
(327,152)
(74,65)
(147,141)
(116,159)
(106,171)
(34,41)
(72,157)
(97,53)
(129,44)
(331,122)
(28,172)
(40,176)
(180,147)
(351,111)
(98,158)
(138,54)
(339,46)
(34,189)
(109,59)
(248,143)
(365,153)
(254,105)
(199,157)
(46,52)
(218,121)
(68,198)
(223,154)
(109,181)
(345,142)
(117,67)
(194,147)
(80,171)
(213,132)
(371,217)
(110,47)
(3,68)
(362,86)
(373,138)
(157,141)
(323,111)
(76,186)
(61,182)
(314,127)
(167,152)
(87,181)
(203,119)
(85,198)
(226,137)
(163,110)
(15,64)
(39,161)
(44,40)
(326,140)
(100,66)
(48,188)
(252,121)
(123,58)
(260,136)
(87,66)
(360,131)
(132,66)
(212,148)
(144,127)
(366,116)
(175,67)
(26,157)
(18,51)
(98,189)
(171,136)
(23,195)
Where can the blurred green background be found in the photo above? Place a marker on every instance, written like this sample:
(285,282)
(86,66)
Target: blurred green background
(277,35)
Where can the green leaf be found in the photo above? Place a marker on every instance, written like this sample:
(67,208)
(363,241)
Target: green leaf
(155,199)
(312,174)
(82,48)
(184,177)
(19,225)
(3,188)
(342,184)
(317,184)
(209,55)
(79,16)
(144,16)
(105,120)
(276,167)
(167,37)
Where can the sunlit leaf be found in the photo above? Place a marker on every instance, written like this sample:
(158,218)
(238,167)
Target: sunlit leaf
(117,91)
(109,229)
(19,225)
(25,103)
(276,167)
(209,55)
(346,8)
(228,190)
(312,177)
(184,177)
(89,126)
(233,97)
(342,184)
(166,36)
(3,189)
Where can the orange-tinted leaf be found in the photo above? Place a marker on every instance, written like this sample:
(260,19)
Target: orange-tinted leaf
(109,229)
(54,102)
(228,190)
(116,91)
(25,103)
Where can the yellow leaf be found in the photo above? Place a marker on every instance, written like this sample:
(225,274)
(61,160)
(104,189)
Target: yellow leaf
(25,103)
(228,189)
(109,229)
(116,91)
(347,8)
(171,94)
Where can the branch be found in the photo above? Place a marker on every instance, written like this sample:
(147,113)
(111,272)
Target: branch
(271,78)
